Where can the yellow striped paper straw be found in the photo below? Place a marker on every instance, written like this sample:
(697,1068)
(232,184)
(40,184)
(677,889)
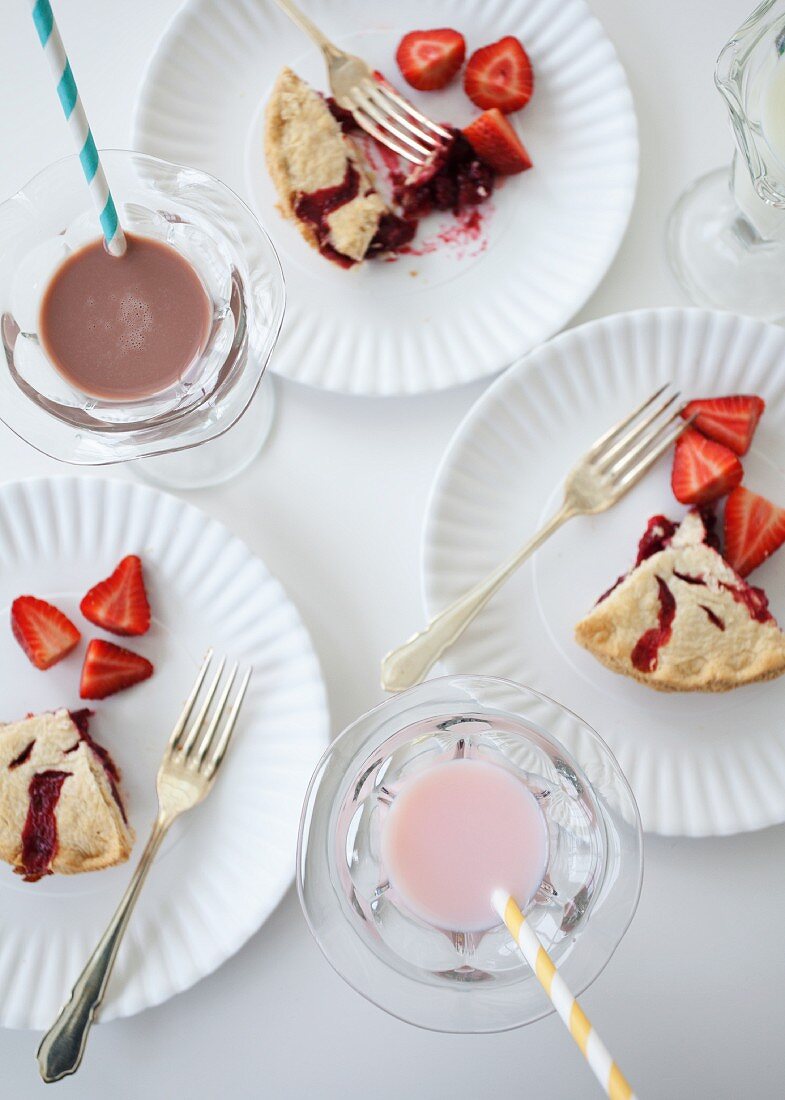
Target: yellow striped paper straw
(52,43)
(592,1047)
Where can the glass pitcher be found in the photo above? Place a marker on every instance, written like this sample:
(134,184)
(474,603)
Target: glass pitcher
(726,234)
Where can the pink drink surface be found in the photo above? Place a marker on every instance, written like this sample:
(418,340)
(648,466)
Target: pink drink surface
(456,833)
(124,328)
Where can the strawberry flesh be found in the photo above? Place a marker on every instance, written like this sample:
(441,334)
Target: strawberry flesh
(119,603)
(495,142)
(109,668)
(754,529)
(728,420)
(42,630)
(702,469)
(430,59)
(500,75)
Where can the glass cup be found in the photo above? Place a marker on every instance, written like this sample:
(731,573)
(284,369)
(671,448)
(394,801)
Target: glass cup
(726,234)
(440,978)
(209,424)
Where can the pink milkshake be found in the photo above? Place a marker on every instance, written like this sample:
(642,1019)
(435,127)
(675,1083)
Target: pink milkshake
(124,328)
(457,832)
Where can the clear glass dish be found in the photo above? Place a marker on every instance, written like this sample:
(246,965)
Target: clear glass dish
(726,233)
(435,977)
(211,227)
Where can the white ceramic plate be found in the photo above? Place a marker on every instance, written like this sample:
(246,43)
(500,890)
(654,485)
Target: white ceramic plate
(225,866)
(467,308)
(700,764)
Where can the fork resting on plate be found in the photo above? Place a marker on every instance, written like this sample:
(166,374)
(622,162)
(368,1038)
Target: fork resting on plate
(611,467)
(186,775)
(376,106)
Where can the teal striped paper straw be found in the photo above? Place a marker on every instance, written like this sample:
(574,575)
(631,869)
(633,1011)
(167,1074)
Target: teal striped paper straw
(73,110)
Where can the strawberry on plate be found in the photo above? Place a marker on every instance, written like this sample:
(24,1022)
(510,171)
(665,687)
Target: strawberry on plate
(42,630)
(500,75)
(495,141)
(729,420)
(430,59)
(702,469)
(109,668)
(754,529)
(119,603)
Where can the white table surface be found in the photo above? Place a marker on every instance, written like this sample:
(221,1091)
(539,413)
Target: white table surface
(690,1002)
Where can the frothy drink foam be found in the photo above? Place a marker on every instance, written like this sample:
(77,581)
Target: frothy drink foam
(124,328)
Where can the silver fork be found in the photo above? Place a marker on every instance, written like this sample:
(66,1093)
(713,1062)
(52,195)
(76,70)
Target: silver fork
(616,462)
(185,777)
(377,107)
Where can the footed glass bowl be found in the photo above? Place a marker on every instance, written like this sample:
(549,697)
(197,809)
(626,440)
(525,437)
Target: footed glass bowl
(215,231)
(440,978)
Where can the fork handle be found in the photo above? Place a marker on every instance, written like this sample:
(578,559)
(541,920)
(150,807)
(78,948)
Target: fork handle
(305,24)
(409,663)
(62,1048)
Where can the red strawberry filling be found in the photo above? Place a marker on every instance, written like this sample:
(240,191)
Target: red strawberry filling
(713,617)
(23,756)
(659,531)
(39,835)
(754,599)
(644,655)
(81,719)
(454,178)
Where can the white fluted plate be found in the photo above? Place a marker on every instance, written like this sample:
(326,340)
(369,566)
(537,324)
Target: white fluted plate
(699,764)
(224,866)
(467,306)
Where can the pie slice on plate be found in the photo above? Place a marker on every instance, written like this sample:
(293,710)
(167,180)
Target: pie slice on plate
(682,619)
(323,180)
(60,804)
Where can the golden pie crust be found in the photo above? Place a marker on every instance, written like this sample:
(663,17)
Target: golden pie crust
(699,656)
(91,831)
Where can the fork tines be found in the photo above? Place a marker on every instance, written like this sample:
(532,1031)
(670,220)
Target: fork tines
(204,744)
(394,121)
(631,447)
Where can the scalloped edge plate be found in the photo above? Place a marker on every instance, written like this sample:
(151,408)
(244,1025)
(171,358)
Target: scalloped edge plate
(471,301)
(699,764)
(226,865)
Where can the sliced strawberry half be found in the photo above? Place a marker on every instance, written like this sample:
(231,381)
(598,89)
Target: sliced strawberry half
(500,75)
(119,603)
(42,630)
(702,469)
(729,420)
(494,141)
(754,529)
(109,668)
(430,59)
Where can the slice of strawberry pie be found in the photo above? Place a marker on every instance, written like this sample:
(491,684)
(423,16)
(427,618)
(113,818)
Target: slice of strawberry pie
(682,619)
(323,180)
(60,804)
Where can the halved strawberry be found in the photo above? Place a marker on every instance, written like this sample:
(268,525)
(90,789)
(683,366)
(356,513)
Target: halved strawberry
(109,668)
(494,141)
(728,420)
(702,469)
(43,631)
(754,529)
(430,59)
(119,604)
(500,75)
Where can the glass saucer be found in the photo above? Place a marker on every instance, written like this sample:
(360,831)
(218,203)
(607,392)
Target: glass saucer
(215,231)
(435,977)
